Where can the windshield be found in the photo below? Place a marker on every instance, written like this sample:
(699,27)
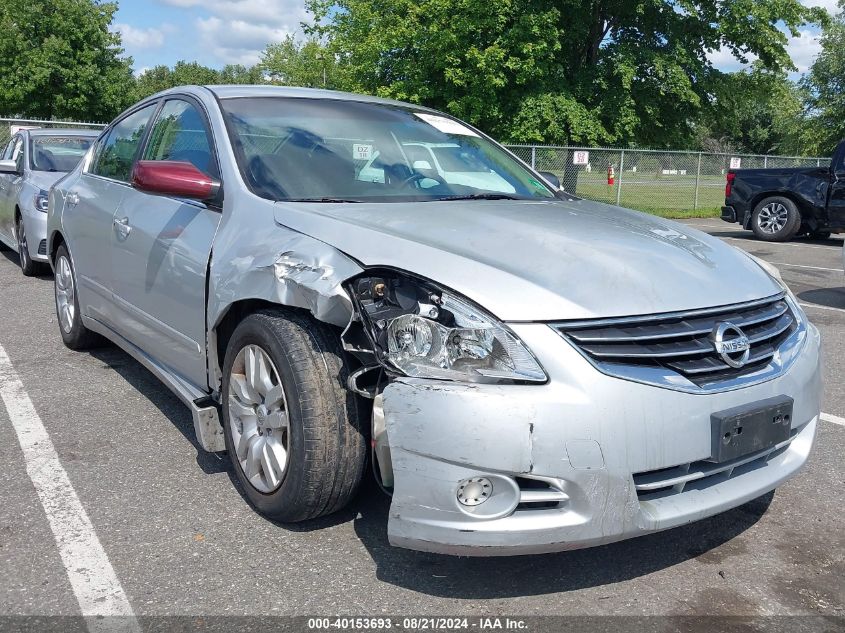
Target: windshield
(57,153)
(332,150)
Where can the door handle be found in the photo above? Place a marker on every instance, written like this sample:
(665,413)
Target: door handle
(72,199)
(122,228)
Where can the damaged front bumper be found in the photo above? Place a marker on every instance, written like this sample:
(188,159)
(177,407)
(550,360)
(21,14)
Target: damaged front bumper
(583,460)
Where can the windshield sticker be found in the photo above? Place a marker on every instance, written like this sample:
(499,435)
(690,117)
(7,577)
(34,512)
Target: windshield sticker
(447,126)
(362,152)
(537,184)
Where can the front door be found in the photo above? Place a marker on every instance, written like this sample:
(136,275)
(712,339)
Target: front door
(836,199)
(10,185)
(160,251)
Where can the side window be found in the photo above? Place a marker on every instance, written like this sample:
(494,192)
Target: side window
(7,152)
(117,151)
(180,133)
(17,152)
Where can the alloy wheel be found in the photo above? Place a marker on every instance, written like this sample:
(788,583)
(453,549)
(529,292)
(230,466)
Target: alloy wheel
(258,419)
(23,252)
(65,294)
(773,217)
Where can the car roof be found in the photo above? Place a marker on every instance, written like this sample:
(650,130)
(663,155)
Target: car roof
(236,91)
(55,131)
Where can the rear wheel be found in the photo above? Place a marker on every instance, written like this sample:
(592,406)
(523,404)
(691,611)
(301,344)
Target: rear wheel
(74,334)
(28,267)
(775,219)
(291,427)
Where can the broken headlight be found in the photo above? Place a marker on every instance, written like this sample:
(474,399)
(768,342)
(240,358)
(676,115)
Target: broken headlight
(424,331)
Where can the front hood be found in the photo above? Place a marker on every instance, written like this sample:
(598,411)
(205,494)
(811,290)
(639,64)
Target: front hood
(543,260)
(45,179)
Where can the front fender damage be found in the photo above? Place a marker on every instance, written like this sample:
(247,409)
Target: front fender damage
(297,271)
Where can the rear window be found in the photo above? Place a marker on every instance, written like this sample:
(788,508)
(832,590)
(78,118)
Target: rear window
(57,153)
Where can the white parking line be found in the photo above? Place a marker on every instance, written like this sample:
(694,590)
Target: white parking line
(833,270)
(835,419)
(94,582)
(819,307)
(787,244)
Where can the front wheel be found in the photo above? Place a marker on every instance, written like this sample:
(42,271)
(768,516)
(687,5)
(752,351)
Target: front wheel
(28,267)
(775,219)
(291,427)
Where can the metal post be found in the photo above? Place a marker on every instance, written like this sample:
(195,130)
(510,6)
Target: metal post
(697,181)
(533,157)
(766,161)
(619,184)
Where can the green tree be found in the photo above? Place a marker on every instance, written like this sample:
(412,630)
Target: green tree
(293,63)
(185,73)
(59,59)
(240,74)
(825,84)
(583,71)
(753,111)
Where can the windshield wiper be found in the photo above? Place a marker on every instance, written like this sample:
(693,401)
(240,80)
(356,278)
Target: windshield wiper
(482,196)
(319,200)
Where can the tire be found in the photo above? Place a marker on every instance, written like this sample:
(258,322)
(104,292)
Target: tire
(74,334)
(28,267)
(322,441)
(775,219)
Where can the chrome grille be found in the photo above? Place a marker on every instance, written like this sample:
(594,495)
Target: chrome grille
(682,342)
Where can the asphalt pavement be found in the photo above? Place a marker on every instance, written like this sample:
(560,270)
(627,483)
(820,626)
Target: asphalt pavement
(180,539)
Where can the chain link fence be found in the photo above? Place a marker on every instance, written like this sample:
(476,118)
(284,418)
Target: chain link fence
(659,181)
(8,126)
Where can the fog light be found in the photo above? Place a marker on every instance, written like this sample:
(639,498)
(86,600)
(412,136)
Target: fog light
(474,491)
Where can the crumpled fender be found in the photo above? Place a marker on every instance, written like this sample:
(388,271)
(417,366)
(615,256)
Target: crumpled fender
(280,266)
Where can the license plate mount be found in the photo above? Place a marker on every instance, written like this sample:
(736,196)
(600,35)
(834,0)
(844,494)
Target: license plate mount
(750,428)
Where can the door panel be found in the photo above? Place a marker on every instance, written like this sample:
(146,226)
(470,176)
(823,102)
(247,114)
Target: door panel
(10,185)
(159,286)
(90,205)
(160,251)
(836,197)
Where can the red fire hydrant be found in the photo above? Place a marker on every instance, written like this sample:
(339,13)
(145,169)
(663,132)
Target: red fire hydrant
(611,175)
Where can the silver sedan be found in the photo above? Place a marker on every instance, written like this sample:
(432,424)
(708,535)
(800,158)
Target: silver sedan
(30,164)
(529,371)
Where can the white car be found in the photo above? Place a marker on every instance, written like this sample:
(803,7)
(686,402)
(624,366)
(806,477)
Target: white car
(447,161)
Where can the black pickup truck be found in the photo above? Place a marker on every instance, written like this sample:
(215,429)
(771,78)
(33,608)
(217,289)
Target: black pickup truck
(778,204)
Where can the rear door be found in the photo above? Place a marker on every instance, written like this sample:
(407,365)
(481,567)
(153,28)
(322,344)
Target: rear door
(91,203)
(160,254)
(836,198)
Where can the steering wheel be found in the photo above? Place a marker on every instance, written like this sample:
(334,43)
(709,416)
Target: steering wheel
(417,176)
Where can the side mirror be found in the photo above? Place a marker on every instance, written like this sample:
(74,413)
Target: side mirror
(8,167)
(551,178)
(174,178)
(422,164)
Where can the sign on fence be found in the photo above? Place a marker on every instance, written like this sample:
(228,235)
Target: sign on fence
(736,162)
(580,158)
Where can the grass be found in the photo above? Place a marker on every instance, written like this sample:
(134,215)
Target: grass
(669,197)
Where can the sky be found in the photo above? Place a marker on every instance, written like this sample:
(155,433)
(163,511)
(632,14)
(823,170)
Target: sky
(219,32)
